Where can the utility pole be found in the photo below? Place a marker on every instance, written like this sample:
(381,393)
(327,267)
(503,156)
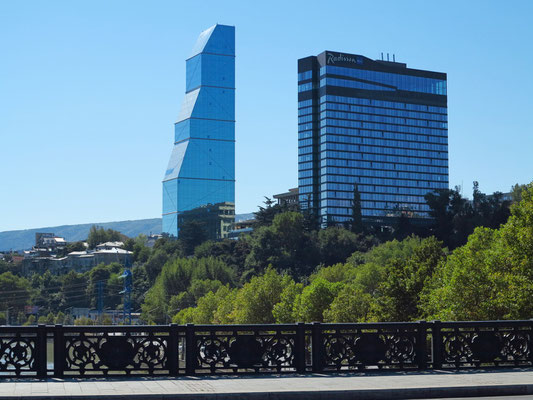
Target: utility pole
(100,287)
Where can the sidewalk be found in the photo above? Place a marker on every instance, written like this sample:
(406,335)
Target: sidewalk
(410,385)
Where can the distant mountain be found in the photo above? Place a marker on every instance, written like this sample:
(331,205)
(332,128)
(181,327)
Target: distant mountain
(24,239)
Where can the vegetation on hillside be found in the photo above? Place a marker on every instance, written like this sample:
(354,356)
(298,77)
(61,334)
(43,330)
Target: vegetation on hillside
(475,262)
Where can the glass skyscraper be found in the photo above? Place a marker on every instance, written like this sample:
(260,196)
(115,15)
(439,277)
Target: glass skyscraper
(201,170)
(373,125)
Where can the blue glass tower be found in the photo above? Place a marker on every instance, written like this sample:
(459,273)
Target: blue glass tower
(373,125)
(201,171)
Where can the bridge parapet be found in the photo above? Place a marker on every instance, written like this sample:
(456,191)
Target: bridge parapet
(173,350)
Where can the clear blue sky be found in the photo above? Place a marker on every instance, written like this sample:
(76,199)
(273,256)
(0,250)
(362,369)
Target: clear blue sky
(89,92)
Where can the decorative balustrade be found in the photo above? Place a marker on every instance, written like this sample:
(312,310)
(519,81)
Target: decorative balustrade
(172,350)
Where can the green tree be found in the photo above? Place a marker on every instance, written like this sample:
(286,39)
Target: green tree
(60,318)
(265,216)
(98,234)
(46,294)
(154,264)
(336,244)
(205,311)
(141,252)
(516,192)
(70,247)
(335,273)
(285,245)
(73,290)
(491,276)
(83,321)
(192,234)
(284,311)
(352,304)
(176,278)
(315,299)
(255,302)
(15,292)
(232,252)
(398,295)
(9,266)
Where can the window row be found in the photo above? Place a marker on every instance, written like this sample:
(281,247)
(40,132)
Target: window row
(378,165)
(402,82)
(349,132)
(305,142)
(304,166)
(302,76)
(381,127)
(305,135)
(420,177)
(382,103)
(305,173)
(396,198)
(305,127)
(376,189)
(305,181)
(305,103)
(382,142)
(353,84)
(376,110)
(305,150)
(305,118)
(383,205)
(332,212)
(305,158)
(377,118)
(304,87)
(305,111)
(382,150)
(424,186)
(443,162)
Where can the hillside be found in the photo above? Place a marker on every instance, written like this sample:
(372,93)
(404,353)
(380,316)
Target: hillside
(24,239)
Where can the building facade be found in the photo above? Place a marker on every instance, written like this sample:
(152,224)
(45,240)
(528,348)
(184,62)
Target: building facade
(289,198)
(201,170)
(371,125)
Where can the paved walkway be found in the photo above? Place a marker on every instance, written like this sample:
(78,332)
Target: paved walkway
(434,384)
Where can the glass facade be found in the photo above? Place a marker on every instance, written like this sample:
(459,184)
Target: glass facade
(200,177)
(375,125)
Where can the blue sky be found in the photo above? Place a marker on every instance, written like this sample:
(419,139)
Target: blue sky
(89,92)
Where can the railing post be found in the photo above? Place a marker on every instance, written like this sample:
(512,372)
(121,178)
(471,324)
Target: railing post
(421,348)
(300,348)
(436,344)
(190,350)
(40,348)
(530,344)
(59,351)
(172,350)
(317,346)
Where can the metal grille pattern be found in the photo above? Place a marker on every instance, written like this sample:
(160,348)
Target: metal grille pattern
(245,349)
(85,351)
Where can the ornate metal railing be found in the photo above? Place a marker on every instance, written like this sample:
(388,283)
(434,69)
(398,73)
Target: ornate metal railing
(172,350)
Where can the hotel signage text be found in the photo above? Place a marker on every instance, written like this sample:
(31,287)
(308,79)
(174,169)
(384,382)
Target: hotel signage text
(339,58)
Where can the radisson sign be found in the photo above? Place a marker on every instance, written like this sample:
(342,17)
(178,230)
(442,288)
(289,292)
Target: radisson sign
(342,58)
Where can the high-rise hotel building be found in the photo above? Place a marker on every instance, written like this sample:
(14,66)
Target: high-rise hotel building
(371,124)
(200,177)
